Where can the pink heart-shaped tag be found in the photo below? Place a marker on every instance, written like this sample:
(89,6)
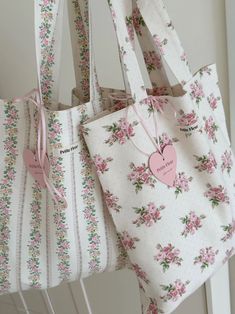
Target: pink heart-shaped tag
(163,166)
(34,168)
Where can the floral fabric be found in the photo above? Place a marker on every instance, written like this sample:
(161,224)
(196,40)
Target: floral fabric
(42,243)
(166,230)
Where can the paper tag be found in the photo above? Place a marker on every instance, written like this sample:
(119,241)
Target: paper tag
(163,166)
(34,168)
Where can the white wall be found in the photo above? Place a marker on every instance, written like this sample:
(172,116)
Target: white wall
(201,25)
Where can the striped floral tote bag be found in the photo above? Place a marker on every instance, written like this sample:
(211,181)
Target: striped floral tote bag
(54,226)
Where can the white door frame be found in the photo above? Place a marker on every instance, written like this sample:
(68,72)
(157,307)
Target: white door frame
(230,9)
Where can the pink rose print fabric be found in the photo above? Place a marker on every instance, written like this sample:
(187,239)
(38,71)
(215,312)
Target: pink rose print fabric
(128,242)
(130,27)
(216,195)
(213,101)
(141,176)
(192,223)
(167,231)
(165,140)
(148,215)
(112,201)
(152,61)
(167,256)
(182,183)
(206,163)
(211,128)
(138,21)
(140,273)
(206,258)
(101,164)
(120,132)
(155,104)
(227,162)
(229,231)
(160,43)
(197,92)
(188,119)
(153,308)
(175,290)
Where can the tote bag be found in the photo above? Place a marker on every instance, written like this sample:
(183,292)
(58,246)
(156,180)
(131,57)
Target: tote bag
(171,169)
(54,227)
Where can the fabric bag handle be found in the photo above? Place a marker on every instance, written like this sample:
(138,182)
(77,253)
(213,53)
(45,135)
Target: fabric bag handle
(48,35)
(165,37)
(126,50)
(151,54)
(80,32)
(48,16)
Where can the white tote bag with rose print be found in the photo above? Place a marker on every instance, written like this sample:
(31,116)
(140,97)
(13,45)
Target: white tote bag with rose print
(54,227)
(170,177)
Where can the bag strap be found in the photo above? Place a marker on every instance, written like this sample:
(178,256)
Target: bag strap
(118,8)
(79,40)
(79,24)
(165,38)
(151,54)
(48,16)
(48,34)
(87,86)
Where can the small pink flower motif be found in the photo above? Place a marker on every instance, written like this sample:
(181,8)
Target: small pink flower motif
(112,201)
(57,127)
(197,92)
(165,140)
(210,128)
(192,223)
(155,103)
(128,241)
(168,256)
(184,58)
(101,164)
(160,43)
(174,290)
(122,258)
(46,2)
(120,101)
(206,163)
(138,21)
(152,60)
(158,91)
(9,120)
(227,162)
(216,195)
(121,131)
(148,215)
(181,183)
(230,230)
(205,70)
(11,174)
(213,101)
(140,273)
(140,176)
(153,308)
(206,257)
(187,119)
(130,28)
(118,105)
